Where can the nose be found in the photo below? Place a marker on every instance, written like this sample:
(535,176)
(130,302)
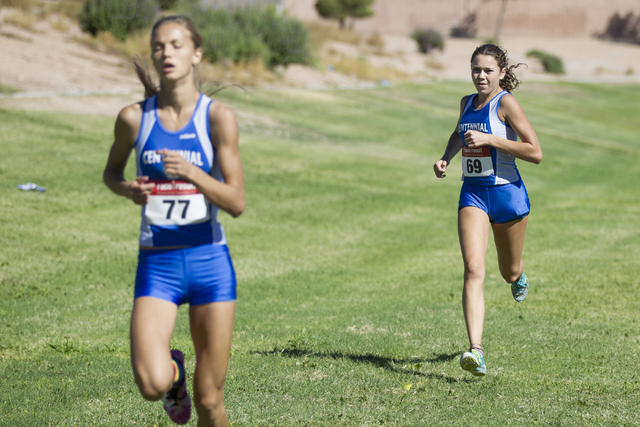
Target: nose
(166,50)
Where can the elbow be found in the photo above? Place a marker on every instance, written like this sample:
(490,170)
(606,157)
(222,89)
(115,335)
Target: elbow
(538,158)
(237,209)
(533,157)
(107,177)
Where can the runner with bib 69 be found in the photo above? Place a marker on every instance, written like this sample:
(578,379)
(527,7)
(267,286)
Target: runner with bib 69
(493,195)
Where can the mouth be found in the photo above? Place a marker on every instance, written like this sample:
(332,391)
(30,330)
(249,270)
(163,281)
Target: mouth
(167,68)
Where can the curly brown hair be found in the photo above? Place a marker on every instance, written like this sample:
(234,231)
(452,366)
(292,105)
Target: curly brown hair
(510,82)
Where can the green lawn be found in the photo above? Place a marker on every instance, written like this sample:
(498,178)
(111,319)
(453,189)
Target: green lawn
(350,274)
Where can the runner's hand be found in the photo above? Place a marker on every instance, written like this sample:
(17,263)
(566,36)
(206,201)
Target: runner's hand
(440,167)
(175,166)
(140,190)
(474,138)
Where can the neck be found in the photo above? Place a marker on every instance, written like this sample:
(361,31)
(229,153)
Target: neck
(483,99)
(178,94)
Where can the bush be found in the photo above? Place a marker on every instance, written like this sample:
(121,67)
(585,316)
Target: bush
(428,40)
(622,28)
(167,4)
(467,28)
(287,39)
(244,35)
(551,63)
(25,5)
(225,39)
(119,17)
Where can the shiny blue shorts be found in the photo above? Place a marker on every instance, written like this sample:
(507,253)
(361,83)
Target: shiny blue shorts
(502,203)
(196,275)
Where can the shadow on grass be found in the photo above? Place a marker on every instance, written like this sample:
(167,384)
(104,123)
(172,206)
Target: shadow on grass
(398,365)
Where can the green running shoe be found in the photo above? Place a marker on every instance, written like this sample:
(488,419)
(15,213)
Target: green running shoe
(520,288)
(473,361)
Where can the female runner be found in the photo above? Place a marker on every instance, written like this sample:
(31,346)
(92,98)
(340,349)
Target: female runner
(493,193)
(188,167)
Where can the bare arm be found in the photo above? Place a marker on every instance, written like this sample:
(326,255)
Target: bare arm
(510,112)
(125,133)
(453,147)
(228,195)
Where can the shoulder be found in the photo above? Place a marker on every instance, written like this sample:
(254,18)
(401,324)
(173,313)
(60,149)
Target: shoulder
(221,114)
(224,128)
(509,104)
(508,100)
(464,101)
(131,115)
(128,122)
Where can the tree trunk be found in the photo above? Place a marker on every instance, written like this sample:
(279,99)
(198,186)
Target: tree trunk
(352,23)
(503,11)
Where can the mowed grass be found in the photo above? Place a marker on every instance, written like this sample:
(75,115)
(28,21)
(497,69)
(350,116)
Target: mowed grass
(350,276)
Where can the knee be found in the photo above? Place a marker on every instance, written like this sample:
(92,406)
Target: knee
(474,270)
(210,402)
(152,388)
(512,274)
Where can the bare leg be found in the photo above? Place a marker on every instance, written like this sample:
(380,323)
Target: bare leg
(152,322)
(211,330)
(473,230)
(509,238)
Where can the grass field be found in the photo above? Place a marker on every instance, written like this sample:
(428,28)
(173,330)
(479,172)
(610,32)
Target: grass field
(350,276)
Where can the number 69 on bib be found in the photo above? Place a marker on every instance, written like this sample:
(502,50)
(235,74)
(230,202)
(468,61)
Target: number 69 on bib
(476,161)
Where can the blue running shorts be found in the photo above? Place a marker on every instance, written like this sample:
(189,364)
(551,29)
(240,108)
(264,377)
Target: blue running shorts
(196,275)
(502,203)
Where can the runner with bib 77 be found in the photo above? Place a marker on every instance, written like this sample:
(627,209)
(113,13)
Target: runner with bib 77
(188,168)
(493,195)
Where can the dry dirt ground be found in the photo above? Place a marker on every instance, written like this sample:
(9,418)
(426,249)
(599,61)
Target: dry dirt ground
(52,70)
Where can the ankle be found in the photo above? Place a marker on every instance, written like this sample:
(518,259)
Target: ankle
(520,279)
(477,347)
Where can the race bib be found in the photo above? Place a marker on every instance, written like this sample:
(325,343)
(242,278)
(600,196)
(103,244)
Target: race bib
(176,203)
(476,161)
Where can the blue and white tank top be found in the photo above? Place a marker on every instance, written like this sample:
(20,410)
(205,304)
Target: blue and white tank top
(177,213)
(487,165)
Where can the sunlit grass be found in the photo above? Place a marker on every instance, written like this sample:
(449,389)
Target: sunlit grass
(349,309)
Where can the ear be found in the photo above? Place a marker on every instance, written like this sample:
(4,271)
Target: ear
(197,56)
(503,73)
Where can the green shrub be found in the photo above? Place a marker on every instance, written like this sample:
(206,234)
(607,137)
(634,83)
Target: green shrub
(340,10)
(467,29)
(232,43)
(167,4)
(428,40)
(287,39)
(551,63)
(243,35)
(622,28)
(119,17)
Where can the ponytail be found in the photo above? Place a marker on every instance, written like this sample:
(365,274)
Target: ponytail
(144,75)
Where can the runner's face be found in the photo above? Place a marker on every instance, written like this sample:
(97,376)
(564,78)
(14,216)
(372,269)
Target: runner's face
(173,52)
(486,74)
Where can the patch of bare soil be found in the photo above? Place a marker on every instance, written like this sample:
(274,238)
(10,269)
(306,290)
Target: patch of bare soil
(53,70)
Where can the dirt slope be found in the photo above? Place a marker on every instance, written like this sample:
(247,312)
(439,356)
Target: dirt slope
(55,71)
